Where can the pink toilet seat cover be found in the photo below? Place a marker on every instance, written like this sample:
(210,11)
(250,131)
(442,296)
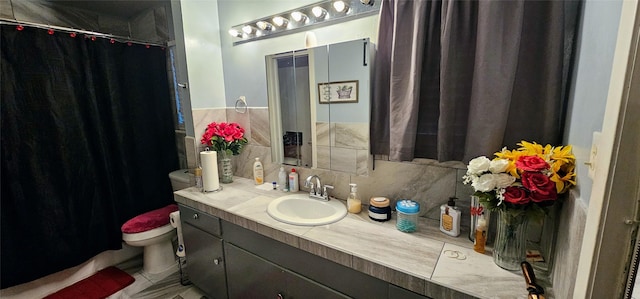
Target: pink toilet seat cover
(149,220)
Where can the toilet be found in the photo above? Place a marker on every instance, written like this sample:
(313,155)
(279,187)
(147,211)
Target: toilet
(153,231)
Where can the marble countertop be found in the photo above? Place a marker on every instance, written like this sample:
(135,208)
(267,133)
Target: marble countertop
(427,262)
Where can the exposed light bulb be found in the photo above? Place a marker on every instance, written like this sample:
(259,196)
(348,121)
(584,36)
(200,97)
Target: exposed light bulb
(280,21)
(339,6)
(298,16)
(318,12)
(234,32)
(247,29)
(264,25)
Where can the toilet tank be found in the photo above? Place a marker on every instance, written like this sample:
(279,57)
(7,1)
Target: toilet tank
(181,179)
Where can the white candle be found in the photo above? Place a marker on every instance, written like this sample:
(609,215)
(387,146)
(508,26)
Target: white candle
(209,161)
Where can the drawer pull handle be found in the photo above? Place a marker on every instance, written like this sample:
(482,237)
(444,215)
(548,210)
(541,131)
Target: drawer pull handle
(195,216)
(280,296)
(217,261)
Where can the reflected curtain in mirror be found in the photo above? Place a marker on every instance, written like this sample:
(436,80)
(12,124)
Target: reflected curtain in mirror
(469,77)
(87,143)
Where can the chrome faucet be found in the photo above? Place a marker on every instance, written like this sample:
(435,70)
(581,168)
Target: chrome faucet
(317,190)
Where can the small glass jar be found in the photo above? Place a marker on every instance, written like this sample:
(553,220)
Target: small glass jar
(407,215)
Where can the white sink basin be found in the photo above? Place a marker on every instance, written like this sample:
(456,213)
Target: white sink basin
(299,209)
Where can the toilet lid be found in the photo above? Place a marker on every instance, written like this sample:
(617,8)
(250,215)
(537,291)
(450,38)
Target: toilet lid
(149,220)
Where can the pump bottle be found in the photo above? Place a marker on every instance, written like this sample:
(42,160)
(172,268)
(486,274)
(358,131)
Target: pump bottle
(450,218)
(354,204)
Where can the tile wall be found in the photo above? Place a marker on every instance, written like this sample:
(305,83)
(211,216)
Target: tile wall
(426,181)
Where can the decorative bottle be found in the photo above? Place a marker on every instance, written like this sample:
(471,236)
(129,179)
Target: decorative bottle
(450,218)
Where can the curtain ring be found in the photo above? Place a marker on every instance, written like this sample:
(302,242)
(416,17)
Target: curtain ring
(241,104)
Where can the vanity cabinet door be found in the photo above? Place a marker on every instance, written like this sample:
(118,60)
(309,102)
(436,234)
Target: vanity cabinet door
(300,287)
(252,277)
(205,261)
(400,293)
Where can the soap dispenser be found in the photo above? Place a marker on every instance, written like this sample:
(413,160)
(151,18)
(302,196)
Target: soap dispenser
(354,204)
(450,218)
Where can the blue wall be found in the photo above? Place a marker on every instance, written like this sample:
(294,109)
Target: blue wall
(592,72)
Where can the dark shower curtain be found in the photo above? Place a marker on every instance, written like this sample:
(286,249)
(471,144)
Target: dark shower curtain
(87,143)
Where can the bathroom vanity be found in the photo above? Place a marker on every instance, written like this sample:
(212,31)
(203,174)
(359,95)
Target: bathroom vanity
(202,235)
(235,249)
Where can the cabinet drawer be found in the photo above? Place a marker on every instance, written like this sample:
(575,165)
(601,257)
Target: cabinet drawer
(201,220)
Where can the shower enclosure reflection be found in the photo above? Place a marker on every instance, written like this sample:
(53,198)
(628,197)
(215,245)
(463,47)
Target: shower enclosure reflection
(314,130)
(290,85)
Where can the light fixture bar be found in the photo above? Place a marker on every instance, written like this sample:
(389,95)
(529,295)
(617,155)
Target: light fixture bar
(328,12)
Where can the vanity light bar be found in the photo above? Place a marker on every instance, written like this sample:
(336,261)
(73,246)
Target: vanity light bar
(327,12)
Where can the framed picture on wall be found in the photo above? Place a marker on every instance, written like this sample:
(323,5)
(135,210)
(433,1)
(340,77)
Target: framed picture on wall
(338,92)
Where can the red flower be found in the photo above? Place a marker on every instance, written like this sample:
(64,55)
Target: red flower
(224,137)
(531,163)
(516,195)
(540,187)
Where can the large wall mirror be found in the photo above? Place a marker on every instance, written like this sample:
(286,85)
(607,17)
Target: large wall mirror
(319,106)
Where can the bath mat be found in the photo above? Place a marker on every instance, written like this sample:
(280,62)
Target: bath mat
(97,286)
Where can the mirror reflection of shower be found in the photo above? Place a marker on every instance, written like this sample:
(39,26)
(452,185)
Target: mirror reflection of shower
(293,84)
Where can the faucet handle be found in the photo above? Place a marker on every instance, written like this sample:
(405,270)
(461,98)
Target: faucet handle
(325,193)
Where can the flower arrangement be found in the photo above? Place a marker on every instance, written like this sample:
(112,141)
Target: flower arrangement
(527,179)
(520,185)
(227,137)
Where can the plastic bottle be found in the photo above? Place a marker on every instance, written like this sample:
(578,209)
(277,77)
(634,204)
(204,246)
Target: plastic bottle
(258,172)
(293,181)
(354,204)
(481,234)
(197,173)
(283,180)
(450,218)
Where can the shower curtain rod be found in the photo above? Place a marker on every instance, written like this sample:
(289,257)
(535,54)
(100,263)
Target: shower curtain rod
(87,32)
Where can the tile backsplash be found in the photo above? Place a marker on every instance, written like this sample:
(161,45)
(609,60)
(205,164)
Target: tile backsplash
(429,182)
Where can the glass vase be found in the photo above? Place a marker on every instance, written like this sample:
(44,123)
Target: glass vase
(542,236)
(509,247)
(224,165)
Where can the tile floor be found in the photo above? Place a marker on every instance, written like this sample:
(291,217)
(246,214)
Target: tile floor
(165,286)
